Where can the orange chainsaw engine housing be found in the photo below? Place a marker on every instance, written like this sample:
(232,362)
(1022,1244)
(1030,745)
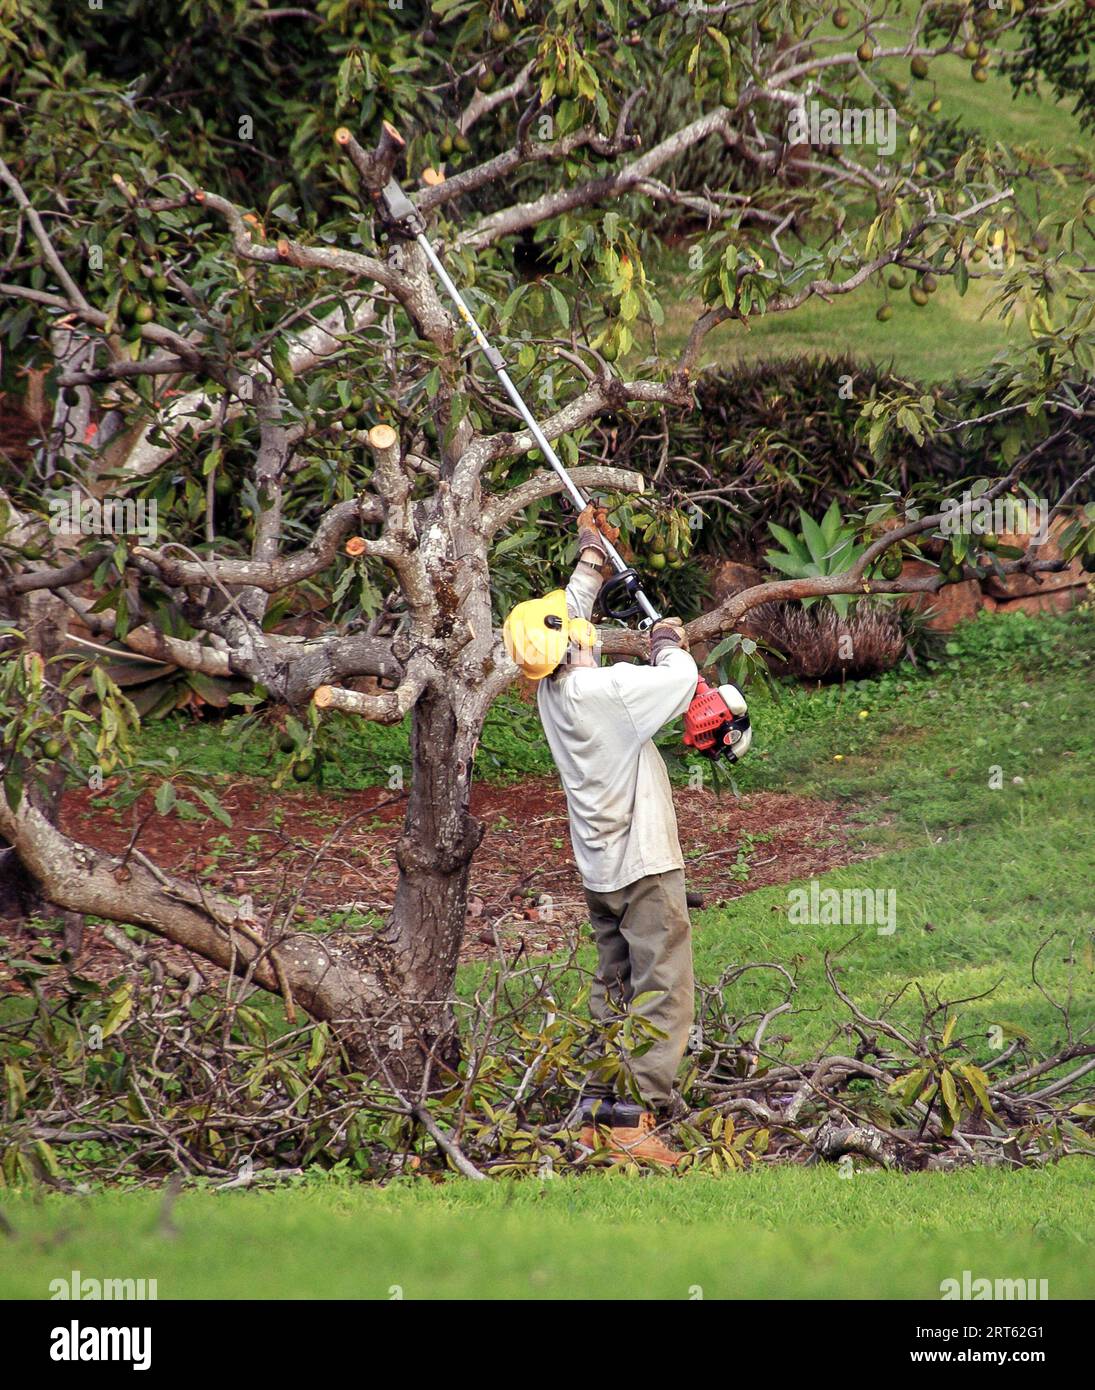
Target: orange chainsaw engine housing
(710,726)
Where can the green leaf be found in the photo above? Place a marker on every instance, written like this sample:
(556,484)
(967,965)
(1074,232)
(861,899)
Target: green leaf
(317,1047)
(347,577)
(562,308)
(517,541)
(832,524)
(13,789)
(510,306)
(790,565)
(15,1087)
(279,358)
(979,1084)
(720,38)
(121,1007)
(728,644)
(814,537)
(791,543)
(210,801)
(950,1097)
(121,615)
(47,1158)
(910,1086)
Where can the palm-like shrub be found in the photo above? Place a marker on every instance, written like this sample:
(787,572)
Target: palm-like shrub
(843,636)
(821,548)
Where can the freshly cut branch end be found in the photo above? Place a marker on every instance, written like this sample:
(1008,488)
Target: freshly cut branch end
(386,708)
(356,546)
(382,437)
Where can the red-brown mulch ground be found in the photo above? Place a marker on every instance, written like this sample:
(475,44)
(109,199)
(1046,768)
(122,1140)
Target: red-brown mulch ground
(731,844)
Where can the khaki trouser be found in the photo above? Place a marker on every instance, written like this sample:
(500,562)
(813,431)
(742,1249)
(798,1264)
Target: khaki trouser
(644,944)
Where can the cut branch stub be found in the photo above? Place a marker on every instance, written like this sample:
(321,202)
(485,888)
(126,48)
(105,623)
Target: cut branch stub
(385,707)
(390,139)
(376,168)
(384,442)
(382,438)
(356,545)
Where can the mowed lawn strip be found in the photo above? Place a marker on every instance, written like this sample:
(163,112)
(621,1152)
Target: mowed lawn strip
(775,1233)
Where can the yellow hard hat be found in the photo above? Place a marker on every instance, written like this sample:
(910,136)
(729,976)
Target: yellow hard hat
(538,632)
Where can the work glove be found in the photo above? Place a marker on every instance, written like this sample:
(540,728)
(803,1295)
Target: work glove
(593,526)
(666,632)
(735,701)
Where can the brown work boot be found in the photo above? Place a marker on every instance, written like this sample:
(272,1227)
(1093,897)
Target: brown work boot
(640,1143)
(595,1115)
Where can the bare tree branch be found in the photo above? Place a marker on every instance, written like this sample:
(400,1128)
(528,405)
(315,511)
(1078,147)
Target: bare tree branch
(503,508)
(276,573)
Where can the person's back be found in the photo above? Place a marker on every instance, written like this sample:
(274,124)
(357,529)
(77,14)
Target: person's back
(599,723)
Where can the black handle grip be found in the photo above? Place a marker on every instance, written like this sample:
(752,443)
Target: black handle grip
(617,597)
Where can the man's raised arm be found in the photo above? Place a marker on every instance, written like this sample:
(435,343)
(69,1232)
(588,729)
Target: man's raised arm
(587,578)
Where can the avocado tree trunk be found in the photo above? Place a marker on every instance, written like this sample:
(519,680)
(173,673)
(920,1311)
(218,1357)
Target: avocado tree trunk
(434,853)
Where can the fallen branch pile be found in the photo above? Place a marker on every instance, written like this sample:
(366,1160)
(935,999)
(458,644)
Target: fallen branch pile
(165,1071)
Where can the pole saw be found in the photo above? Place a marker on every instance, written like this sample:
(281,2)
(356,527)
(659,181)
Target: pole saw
(710,725)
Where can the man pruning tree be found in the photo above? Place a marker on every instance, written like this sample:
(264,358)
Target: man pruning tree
(600,723)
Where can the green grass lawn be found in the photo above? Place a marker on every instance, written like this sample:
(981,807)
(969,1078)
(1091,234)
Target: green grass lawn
(981,875)
(775,1233)
(945,339)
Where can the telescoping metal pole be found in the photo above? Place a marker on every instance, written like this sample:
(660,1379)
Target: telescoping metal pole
(402,210)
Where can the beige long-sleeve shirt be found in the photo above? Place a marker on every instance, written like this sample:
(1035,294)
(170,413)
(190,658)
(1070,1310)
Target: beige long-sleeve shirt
(599,723)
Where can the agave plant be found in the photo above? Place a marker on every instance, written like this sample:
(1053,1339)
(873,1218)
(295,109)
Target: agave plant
(821,548)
